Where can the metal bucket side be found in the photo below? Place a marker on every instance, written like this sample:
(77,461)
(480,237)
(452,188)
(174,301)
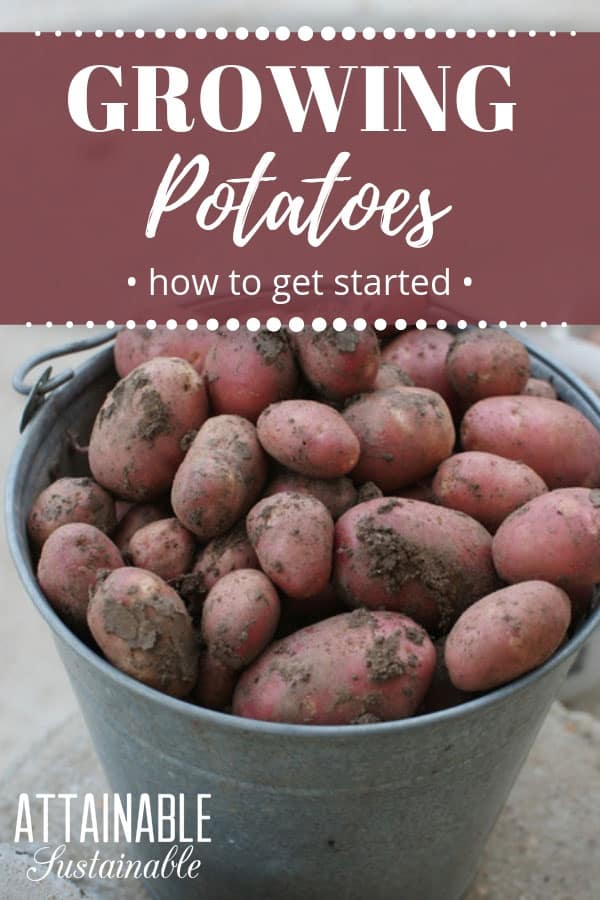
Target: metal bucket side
(400,809)
(397,813)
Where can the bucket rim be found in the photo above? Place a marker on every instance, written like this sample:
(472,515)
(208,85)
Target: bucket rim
(98,365)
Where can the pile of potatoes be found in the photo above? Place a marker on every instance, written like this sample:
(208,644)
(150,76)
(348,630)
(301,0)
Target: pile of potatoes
(325,528)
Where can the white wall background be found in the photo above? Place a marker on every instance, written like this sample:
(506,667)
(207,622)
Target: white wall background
(24,15)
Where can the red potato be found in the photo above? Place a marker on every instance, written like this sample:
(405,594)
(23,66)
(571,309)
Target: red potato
(246,372)
(142,430)
(72,559)
(389,375)
(485,486)
(539,387)
(507,634)
(337,494)
(309,438)
(225,554)
(220,478)
(240,617)
(404,434)
(143,628)
(292,535)
(408,556)
(554,439)
(164,547)
(487,363)
(339,364)
(70,500)
(355,668)
(134,346)
(422,355)
(216,683)
(137,516)
(555,538)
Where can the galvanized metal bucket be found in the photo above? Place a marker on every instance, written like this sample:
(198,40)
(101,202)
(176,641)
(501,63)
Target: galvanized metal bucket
(395,810)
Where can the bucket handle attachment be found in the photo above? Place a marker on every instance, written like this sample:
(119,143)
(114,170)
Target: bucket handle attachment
(45,384)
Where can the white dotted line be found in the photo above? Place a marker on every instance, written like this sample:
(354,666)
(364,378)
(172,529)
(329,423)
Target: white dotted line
(296,324)
(306,33)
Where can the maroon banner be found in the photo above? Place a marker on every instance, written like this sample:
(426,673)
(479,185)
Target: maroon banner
(425,178)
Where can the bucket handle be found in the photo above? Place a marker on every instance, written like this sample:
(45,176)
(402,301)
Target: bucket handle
(45,384)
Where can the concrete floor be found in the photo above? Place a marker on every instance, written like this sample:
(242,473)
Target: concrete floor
(543,847)
(36,695)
